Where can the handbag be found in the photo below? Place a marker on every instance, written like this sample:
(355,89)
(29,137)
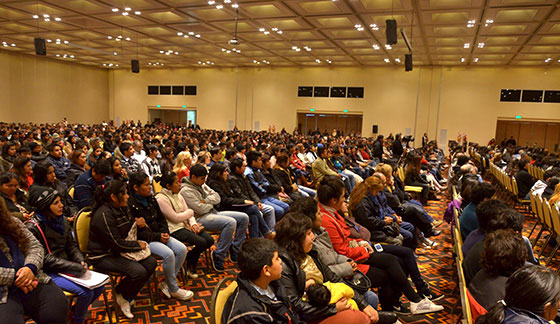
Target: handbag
(359,282)
(392,229)
(136,255)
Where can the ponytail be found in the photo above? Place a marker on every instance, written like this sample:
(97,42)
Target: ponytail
(495,314)
(103,193)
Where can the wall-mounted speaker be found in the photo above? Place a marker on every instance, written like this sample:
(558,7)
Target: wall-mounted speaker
(391,31)
(40,46)
(408,62)
(375,129)
(135,66)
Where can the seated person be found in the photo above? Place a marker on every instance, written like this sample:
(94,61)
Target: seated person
(255,300)
(468,218)
(202,200)
(129,163)
(87,183)
(62,254)
(330,293)
(525,181)
(59,162)
(532,296)
(153,229)
(287,180)
(25,290)
(15,199)
(108,239)
(504,252)
(77,167)
(261,186)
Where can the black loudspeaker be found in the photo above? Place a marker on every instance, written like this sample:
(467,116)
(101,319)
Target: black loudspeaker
(408,62)
(40,47)
(135,66)
(375,129)
(391,31)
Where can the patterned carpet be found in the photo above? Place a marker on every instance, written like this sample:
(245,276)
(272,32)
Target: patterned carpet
(435,265)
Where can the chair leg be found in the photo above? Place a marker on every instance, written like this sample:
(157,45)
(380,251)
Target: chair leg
(553,253)
(538,236)
(107,307)
(531,233)
(116,308)
(154,281)
(544,246)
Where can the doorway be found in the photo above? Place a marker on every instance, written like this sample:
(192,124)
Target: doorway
(347,123)
(530,133)
(170,115)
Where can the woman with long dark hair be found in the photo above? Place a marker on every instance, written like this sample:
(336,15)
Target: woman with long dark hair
(9,151)
(143,206)
(217,180)
(117,171)
(77,167)
(181,221)
(24,288)
(532,297)
(22,168)
(15,198)
(62,254)
(110,226)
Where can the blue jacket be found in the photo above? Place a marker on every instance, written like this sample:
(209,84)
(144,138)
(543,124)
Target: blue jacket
(84,187)
(468,220)
(60,165)
(259,183)
(520,316)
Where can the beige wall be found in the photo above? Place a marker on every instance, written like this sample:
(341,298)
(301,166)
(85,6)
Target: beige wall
(458,99)
(39,89)
(428,99)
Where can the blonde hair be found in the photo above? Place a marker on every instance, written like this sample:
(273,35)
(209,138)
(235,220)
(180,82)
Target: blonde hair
(362,189)
(385,169)
(181,160)
(556,196)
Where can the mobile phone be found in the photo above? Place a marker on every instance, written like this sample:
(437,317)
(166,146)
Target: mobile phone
(378,247)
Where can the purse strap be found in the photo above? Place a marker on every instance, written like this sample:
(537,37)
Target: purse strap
(334,220)
(42,234)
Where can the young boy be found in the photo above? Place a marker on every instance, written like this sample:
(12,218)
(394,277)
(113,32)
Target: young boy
(255,301)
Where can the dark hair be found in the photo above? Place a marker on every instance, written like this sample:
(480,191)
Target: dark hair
(75,155)
(487,210)
(24,149)
(481,191)
(329,188)
(216,171)
(281,159)
(235,163)
(214,151)
(6,148)
(103,167)
(12,229)
(136,179)
(504,252)
(253,156)
(7,177)
(318,295)
(529,288)
(20,162)
(103,193)
(230,153)
(40,171)
(306,206)
(124,146)
(167,179)
(151,148)
(52,146)
(522,163)
(198,170)
(290,234)
(321,150)
(253,255)
(506,219)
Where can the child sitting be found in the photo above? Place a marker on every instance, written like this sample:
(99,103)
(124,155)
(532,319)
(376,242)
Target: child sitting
(330,293)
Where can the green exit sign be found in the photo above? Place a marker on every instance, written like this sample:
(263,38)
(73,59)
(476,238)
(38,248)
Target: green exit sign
(517,116)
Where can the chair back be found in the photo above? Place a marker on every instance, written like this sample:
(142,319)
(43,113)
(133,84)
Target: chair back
(401,173)
(71,192)
(81,228)
(555,217)
(157,186)
(547,214)
(220,295)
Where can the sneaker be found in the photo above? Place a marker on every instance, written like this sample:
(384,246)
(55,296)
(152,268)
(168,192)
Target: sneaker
(232,255)
(165,289)
(182,294)
(429,243)
(437,223)
(217,265)
(432,232)
(401,309)
(124,305)
(424,306)
(192,275)
(426,292)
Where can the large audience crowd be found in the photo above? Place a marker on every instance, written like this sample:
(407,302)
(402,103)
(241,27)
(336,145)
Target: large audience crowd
(312,222)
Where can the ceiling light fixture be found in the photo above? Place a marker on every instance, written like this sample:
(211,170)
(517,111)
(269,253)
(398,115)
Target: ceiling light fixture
(374,27)
(387,46)
(475,59)
(387,60)
(480,45)
(138,13)
(375,47)
(328,61)
(471,23)
(462,59)
(35,16)
(318,61)
(47,19)
(57,19)
(125,13)
(467,45)
(219,6)
(398,60)
(127,9)
(115,9)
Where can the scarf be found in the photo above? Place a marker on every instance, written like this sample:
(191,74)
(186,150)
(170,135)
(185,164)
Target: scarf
(141,200)
(174,200)
(56,224)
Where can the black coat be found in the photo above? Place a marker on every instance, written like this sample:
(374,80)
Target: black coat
(367,214)
(247,306)
(72,173)
(156,224)
(227,197)
(397,148)
(378,149)
(524,182)
(108,231)
(275,186)
(285,179)
(293,281)
(65,255)
(241,187)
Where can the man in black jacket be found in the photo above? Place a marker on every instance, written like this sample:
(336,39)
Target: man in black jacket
(255,300)
(524,180)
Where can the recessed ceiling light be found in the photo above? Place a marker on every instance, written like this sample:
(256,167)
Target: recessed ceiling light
(35,16)
(261,29)
(128,38)
(180,34)
(235,5)
(191,33)
(115,9)
(476,59)
(109,37)
(49,40)
(318,61)
(57,19)
(375,47)
(398,60)
(211,2)
(387,60)
(138,13)
(387,46)
(115,53)
(197,35)
(13,45)
(462,59)
(127,9)
(47,19)
(467,45)
(46,16)
(71,56)
(125,13)
(480,45)
(219,6)
(66,42)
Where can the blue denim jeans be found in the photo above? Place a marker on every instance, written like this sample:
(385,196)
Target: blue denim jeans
(173,254)
(227,223)
(85,296)
(258,227)
(280,208)
(307,192)
(371,299)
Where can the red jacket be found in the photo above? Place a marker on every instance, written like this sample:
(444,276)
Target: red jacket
(339,234)
(297,162)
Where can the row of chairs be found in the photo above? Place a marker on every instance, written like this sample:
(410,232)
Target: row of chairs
(507,186)
(548,217)
(536,172)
